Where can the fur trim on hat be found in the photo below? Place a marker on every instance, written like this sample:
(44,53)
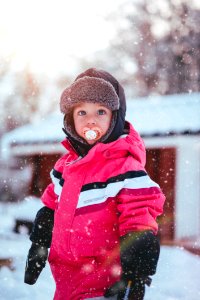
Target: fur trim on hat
(89,89)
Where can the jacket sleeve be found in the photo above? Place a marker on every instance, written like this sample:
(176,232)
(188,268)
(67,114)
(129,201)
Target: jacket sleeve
(51,194)
(49,197)
(140,202)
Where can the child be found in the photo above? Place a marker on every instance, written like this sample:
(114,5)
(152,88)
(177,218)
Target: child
(101,205)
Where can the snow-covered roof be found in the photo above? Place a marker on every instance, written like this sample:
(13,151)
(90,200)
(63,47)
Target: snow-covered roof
(165,115)
(45,130)
(160,115)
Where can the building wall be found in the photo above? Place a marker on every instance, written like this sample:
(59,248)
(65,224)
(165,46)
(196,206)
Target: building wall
(187,182)
(187,207)
(161,167)
(41,166)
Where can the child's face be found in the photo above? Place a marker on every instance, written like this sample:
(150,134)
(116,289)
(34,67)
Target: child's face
(90,116)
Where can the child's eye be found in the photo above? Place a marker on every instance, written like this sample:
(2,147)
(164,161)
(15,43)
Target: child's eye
(101,112)
(81,113)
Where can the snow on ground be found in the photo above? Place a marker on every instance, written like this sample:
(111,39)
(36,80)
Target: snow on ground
(178,274)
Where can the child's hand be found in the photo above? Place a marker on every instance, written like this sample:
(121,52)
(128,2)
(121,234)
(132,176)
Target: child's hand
(128,289)
(139,253)
(36,261)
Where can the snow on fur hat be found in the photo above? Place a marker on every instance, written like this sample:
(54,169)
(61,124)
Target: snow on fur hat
(89,89)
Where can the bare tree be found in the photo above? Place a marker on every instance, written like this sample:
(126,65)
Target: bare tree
(25,96)
(156,49)
(21,100)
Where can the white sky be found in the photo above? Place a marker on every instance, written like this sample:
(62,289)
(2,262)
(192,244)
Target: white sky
(48,34)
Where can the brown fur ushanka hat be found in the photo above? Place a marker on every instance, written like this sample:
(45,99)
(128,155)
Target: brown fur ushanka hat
(89,89)
(95,86)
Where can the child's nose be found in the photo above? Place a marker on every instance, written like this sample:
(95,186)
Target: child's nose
(91,121)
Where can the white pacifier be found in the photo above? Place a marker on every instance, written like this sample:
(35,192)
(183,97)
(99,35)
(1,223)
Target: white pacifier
(92,134)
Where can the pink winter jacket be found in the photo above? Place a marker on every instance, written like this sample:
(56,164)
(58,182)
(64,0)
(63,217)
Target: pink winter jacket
(97,199)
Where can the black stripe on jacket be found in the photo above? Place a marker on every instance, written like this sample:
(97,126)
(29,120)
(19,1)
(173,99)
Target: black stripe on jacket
(58,175)
(120,177)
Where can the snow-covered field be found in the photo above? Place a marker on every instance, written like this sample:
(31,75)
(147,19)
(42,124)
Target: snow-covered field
(178,274)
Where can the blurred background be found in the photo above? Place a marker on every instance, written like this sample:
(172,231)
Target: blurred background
(153,49)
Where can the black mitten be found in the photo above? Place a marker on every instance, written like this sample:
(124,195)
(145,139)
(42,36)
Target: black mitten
(36,261)
(41,233)
(129,289)
(41,236)
(139,254)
